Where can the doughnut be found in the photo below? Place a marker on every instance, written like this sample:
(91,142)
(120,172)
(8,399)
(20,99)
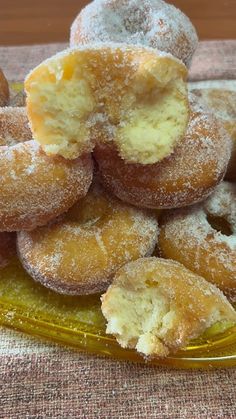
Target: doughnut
(203,238)
(7,248)
(81,253)
(114,94)
(152,23)
(157,306)
(4,89)
(34,188)
(14,126)
(223,104)
(187,176)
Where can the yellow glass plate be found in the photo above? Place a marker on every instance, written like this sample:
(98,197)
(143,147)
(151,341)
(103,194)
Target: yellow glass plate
(78,322)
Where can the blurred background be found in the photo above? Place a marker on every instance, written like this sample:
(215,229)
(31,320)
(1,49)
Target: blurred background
(43,21)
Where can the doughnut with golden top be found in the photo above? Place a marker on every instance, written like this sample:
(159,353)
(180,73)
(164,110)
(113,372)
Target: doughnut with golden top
(152,23)
(109,93)
(81,253)
(223,104)
(157,306)
(197,164)
(203,238)
(34,188)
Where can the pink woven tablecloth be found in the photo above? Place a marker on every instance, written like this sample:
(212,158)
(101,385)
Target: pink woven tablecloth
(42,380)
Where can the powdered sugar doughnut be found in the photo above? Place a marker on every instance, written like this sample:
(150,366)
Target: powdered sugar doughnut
(4,89)
(109,93)
(7,248)
(34,188)
(157,306)
(203,238)
(152,23)
(14,126)
(81,253)
(187,176)
(223,104)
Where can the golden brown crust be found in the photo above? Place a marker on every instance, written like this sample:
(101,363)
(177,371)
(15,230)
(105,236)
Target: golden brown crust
(35,188)
(7,248)
(109,93)
(4,89)
(203,238)
(223,104)
(189,175)
(150,23)
(14,126)
(180,306)
(81,253)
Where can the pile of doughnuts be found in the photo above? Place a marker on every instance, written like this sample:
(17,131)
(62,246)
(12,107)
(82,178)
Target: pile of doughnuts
(112,161)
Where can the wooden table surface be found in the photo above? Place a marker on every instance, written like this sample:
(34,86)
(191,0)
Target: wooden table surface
(43,21)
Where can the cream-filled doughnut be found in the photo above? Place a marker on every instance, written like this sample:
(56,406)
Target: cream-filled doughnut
(197,164)
(81,253)
(152,23)
(203,238)
(34,188)
(157,306)
(132,97)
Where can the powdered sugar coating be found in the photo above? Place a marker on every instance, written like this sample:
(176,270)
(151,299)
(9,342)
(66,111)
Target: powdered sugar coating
(162,304)
(34,188)
(7,248)
(14,126)
(125,47)
(152,23)
(189,175)
(81,253)
(188,236)
(222,103)
(94,94)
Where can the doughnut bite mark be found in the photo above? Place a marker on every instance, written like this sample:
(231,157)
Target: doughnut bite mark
(80,254)
(132,97)
(187,176)
(7,248)
(35,188)
(152,23)
(4,89)
(223,104)
(203,238)
(157,306)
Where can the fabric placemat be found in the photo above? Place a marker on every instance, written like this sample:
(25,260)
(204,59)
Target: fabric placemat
(43,380)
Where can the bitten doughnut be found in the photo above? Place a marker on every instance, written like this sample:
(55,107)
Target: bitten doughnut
(197,164)
(114,94)
(34,188)
(203,238)
(81,253)
(152,23)
(4,89)
(7,248)
(157,306)
(223,104)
